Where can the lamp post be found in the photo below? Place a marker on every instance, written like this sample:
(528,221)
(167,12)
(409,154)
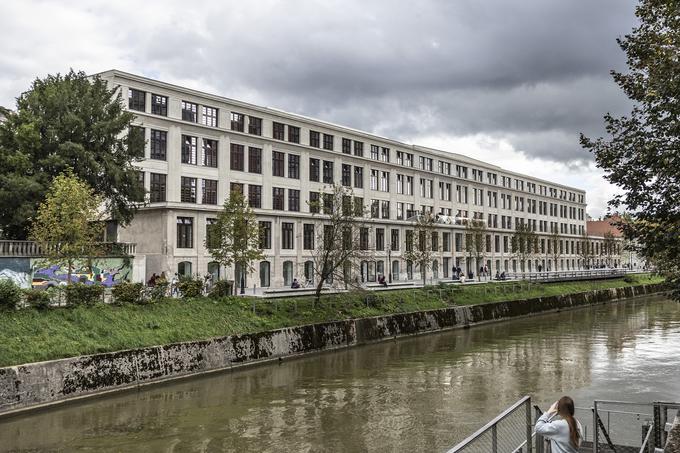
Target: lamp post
(389,262)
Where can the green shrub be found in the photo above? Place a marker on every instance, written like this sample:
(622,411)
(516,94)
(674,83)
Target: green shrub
(128,293)
(222,288)
(190,287)
(629,279)
(40,300)
(159,292)
(82,294)
(10,295)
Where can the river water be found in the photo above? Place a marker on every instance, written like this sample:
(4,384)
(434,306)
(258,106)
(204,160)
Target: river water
(423,393)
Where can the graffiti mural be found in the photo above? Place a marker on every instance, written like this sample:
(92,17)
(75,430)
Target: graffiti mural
(16,269)
(107,271)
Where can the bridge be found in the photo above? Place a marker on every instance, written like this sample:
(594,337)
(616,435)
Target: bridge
(608,427)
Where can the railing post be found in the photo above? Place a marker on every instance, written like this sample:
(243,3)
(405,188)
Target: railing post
(528,420)
(539,438)
(596,447)
(494,439)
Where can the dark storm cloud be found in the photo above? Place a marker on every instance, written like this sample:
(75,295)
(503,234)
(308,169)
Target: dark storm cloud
(532,72)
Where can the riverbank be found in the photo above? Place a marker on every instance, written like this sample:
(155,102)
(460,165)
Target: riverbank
(32,336)
(45,383)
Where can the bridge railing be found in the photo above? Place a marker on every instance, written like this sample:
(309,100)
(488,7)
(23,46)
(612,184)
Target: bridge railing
(510,431)
(32,249)
(569,275)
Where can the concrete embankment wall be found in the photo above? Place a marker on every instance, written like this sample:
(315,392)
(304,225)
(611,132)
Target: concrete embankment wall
(42,383)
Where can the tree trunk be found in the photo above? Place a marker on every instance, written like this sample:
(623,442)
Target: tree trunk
(317,292)
(70,271)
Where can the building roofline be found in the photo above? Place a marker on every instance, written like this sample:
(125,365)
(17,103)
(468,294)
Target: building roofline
(310,120)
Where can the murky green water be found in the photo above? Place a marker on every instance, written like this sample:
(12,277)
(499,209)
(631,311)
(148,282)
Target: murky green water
(417,394)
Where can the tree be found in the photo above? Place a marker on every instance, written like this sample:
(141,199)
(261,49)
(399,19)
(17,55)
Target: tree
(475,242)
(523,243)
(585,250)
(234,237)
(61,122)
(554,249)
(420,248)
(609,246)
(67,225)
(640,154)
(341,239)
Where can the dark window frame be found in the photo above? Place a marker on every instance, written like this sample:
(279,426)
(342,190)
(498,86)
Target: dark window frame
(136,100)
(158,144)
(159,104)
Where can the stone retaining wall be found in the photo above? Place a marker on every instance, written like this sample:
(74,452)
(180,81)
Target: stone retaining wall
(34,384)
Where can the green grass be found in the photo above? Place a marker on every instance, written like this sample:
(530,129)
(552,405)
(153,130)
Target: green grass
(31,336)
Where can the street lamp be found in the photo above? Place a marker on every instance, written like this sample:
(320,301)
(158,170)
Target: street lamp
(389,262)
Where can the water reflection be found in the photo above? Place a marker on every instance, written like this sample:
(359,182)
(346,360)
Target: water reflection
(419,394)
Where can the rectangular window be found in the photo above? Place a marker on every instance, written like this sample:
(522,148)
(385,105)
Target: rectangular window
(254,160)
(159,144)
(188,190)
(346,146)
(375,209)
(385,209)
(293,200)
(189,111)
(375,152)
(314,169)
(314,202)
(359,177)
(254,196)
(278,163)
(363,238)
(278,130)
(359,148)
(294,166)
(210,116)
(159,105)
(235,187)
(358,207)
(254,125)
(327,172)
(137,100)
(236,157)
(384,181)
(328,203)
(189,149)
(210,153)
(328,142)
(185,232)
(385,154)
(380,239)
(346,175)
(265,235)
(286,235)
(394,242)
(293,134)
(314,139)
(209,191)
(158,188)
(238,122)
(308,236)
(278,195)
(446,242)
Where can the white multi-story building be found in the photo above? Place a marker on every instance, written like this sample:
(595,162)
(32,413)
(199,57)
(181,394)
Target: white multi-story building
(200,146)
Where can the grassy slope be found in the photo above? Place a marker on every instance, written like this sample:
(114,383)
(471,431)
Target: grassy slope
(30,336)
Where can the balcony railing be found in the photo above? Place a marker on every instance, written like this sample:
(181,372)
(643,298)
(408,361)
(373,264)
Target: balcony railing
(33,249)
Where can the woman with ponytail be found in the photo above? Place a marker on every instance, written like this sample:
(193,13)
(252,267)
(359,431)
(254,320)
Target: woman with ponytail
(560,426)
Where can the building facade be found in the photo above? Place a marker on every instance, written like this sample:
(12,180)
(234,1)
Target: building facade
(199,147)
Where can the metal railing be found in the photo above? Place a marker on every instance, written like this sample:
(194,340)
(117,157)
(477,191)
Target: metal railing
(569,275)
(510,431)
(31,249)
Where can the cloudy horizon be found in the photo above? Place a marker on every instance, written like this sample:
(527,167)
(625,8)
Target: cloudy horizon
(512,83)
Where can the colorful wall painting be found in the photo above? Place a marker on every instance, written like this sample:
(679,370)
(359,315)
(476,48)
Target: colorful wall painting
(107,271)
(16,269)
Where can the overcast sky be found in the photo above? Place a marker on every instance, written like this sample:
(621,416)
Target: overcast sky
(511,82)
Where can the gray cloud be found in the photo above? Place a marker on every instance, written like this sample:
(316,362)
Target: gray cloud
(532,72)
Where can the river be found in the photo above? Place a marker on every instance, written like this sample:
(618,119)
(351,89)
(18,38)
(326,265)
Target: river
(423,393)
